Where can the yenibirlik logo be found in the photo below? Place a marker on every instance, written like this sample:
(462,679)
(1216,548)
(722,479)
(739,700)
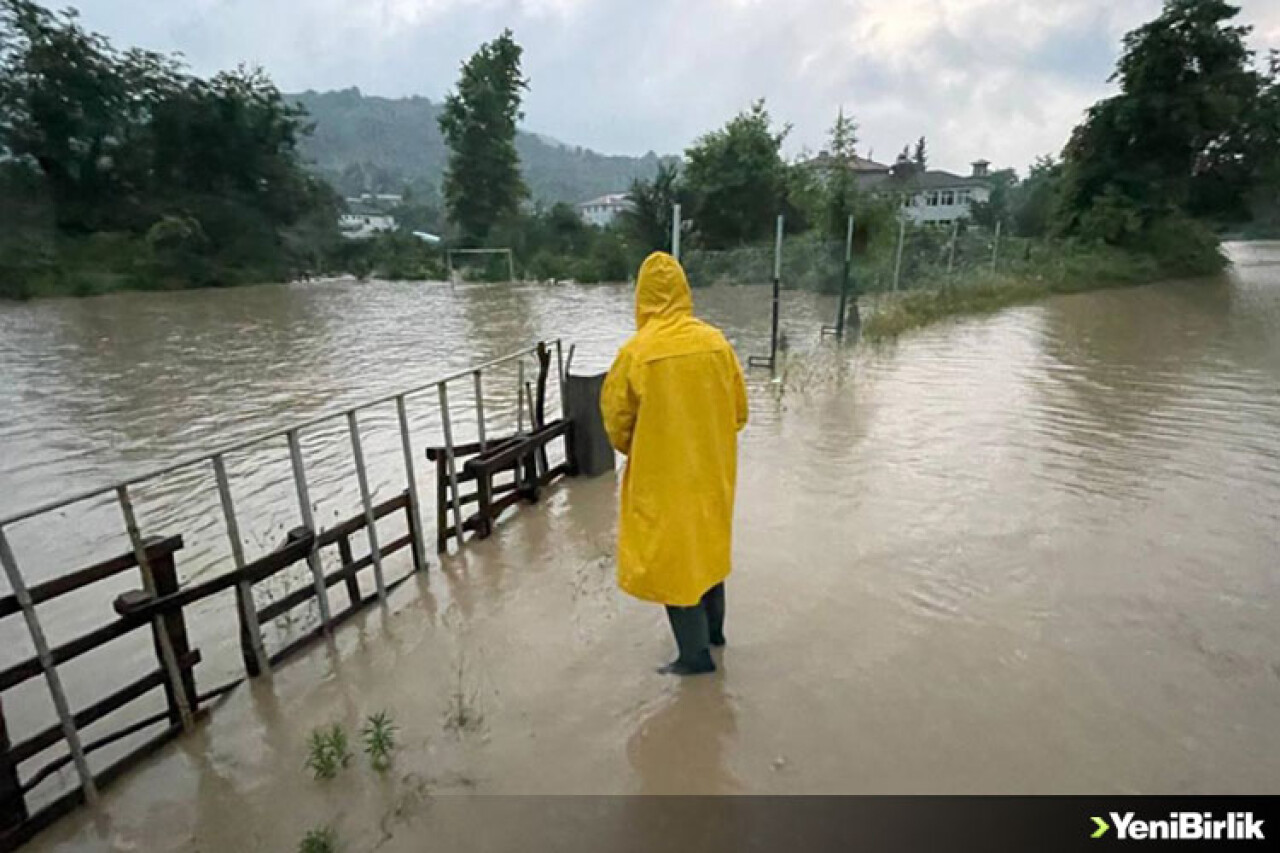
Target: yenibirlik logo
(1183,826)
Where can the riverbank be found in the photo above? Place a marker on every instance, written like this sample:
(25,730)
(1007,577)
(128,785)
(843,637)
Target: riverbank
(1038,274)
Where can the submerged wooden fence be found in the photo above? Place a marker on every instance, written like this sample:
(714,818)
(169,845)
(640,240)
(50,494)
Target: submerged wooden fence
(161,603)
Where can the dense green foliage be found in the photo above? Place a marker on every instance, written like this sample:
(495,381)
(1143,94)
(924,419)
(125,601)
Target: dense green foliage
(1192,132)
(736,179)
(121,169)
(555,244)
(648,221)
(839,199)
(482,184)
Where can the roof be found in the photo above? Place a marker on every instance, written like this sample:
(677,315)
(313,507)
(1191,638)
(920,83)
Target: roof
(858,164)
(931,179)
(607,200)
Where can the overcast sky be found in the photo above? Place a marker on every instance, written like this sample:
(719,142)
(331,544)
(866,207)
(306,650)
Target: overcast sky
(1000,79)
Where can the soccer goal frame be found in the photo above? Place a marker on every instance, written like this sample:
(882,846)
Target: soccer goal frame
(511,264)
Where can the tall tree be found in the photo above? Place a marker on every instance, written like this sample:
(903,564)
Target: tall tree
(921,155)
(1173,136)
(482,184)
(1033,202)
(648,220)
(842,141)
(737,178)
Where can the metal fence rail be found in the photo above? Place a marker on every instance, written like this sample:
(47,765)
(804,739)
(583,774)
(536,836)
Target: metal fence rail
(174,671)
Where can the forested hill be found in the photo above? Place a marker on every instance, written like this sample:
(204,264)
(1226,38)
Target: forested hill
(365,143)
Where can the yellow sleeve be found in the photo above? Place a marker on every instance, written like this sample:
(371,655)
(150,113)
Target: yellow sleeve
(618,403)
(740,391)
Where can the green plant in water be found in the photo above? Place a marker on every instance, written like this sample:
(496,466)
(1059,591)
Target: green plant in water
(379,734)
(339,746)
(327,751)
(320,840)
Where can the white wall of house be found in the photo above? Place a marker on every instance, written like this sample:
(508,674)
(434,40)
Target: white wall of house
(358,226)
(601,212)
(943,206)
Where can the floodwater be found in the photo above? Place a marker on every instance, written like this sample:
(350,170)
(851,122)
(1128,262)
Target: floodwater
(1031,552)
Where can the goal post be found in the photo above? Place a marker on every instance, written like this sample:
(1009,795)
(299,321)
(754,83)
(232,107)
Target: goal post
(511,264)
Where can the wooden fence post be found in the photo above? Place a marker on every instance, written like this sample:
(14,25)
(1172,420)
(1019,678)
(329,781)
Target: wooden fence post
(415,530)
(442,508)
(243,605)
(13,807)
(165,573)
(352,583)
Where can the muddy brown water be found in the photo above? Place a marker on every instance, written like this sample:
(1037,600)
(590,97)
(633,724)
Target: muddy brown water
(1031,552)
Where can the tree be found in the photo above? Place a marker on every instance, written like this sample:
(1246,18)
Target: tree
(482,183)
(1175,137)
(842,141)
(998,205)
(1262,144)
(737,178)
(921,155)
(1033,202)
(199,181)
(648,220)
(73,106)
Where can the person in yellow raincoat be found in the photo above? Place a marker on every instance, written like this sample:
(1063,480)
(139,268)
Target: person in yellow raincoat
(673,402)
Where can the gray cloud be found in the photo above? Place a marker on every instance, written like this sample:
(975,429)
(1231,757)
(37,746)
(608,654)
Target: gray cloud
(1001,79)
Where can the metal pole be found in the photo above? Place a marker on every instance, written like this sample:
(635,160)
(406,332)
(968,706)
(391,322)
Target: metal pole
(450,459)
(777,287)
(167,656)
(308,521)
(414,506)
(844,279)
(520,396)
(479,408)
(51,677)
(955,235)
(995,247)
(675,231)
(902,238)
(370,523)
(511,267)
(247,607)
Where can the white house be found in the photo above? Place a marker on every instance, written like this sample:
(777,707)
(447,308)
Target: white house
(602,211)
(361,226)
(934,196)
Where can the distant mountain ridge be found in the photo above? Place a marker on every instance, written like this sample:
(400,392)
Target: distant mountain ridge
(364,143)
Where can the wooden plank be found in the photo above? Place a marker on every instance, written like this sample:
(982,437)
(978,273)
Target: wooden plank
(442,506)
(72,581)
(255,572)
(353,583)
(75,798)
(357,522)
(306,593)
(30,668)
(90,715)
(314,634)
(13,804)
(435,454)
(415,536)
(491,462)
(173,626)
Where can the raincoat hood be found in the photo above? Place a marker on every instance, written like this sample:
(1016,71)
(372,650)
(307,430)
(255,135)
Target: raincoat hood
(662,291)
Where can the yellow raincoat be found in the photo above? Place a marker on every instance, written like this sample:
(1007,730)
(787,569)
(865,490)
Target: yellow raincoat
(674,402)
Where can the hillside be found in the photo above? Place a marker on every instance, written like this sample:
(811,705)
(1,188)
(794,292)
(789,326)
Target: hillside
(373,144)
